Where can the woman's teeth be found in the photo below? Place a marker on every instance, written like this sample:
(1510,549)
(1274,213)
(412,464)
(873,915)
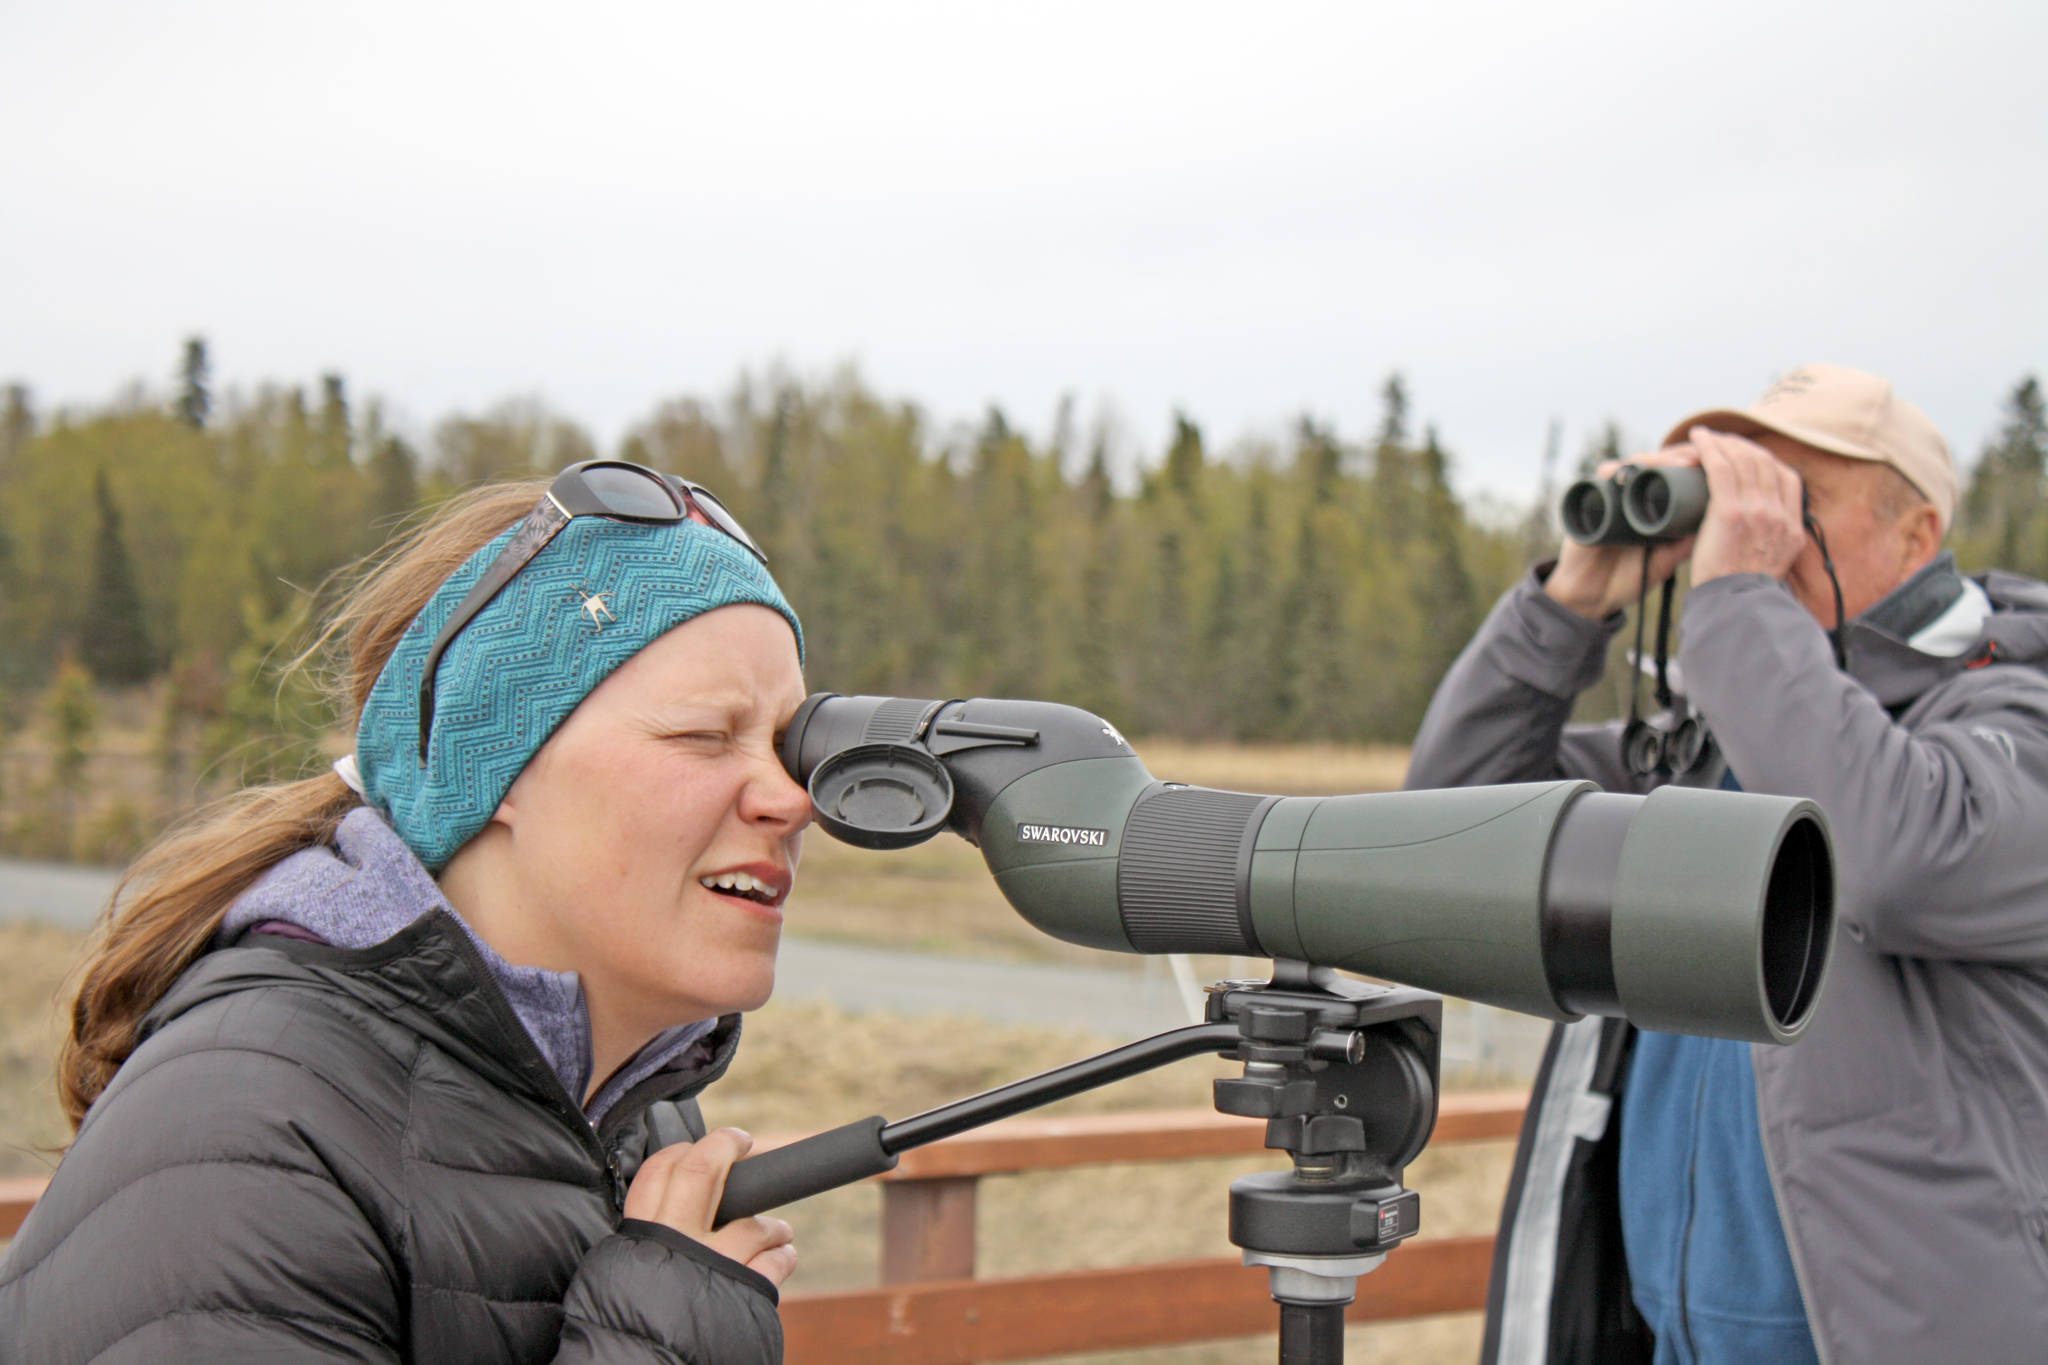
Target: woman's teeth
(741,884)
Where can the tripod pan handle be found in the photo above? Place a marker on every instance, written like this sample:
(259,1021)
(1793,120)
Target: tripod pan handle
(838,1156)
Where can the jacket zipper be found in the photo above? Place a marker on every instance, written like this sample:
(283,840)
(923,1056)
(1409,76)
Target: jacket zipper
(1692,1203)
(1820,1346)
(560,1103)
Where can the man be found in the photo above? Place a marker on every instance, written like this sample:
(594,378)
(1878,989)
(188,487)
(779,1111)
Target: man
(1877,1191)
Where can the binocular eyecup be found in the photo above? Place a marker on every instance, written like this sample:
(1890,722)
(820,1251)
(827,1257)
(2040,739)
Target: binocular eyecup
(1636,505)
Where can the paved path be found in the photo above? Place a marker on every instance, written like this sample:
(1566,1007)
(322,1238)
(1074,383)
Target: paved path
(1126,997)
(56,892)
(1123,997)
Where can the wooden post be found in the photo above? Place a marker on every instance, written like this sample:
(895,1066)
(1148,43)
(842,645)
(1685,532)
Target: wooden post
(17,1197)
(928,1230)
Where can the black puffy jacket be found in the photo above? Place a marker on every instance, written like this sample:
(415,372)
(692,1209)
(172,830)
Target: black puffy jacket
(328,1154)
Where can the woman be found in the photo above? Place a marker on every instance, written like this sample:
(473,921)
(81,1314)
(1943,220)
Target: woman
(361,1064)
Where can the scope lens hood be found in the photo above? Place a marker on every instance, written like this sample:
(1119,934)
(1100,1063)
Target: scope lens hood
(882,795)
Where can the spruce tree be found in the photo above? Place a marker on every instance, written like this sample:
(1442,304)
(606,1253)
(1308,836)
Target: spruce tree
(194,401)
(1310,634)
(1184,458)
(1444,596)
(1393,412)
(113,639)
(1004,586)
(335,433)
(17,425)
(1062,443)
(2009,493)
(15,661)
(394,482)
(775,496)
(1098,491)
(1167,661)
(1394,495)
(1251,684)
(1096,650)
(73,719)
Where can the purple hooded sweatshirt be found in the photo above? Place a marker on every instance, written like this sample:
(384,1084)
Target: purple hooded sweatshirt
(367,886)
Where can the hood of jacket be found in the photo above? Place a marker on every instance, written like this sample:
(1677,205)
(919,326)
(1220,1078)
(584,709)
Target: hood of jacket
(368,895)
(1880,643)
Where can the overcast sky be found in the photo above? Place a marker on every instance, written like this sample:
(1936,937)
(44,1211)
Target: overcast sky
(1573,210)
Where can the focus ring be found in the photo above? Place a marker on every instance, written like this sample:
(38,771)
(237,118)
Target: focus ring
(1180,878)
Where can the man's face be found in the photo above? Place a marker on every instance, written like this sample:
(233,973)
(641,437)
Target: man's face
(1877,538)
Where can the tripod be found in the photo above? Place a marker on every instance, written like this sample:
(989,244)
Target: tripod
(1345,1075)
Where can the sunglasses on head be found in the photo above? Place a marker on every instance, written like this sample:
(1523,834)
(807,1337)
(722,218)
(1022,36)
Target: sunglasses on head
(617,489)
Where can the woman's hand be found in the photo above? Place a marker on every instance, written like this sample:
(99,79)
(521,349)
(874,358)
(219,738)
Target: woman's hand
(680,1186)
(1598,580)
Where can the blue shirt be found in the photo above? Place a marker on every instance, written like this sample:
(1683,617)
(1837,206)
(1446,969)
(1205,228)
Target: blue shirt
(1706,1249)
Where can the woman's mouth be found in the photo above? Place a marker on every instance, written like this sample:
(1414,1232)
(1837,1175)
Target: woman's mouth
(744,886)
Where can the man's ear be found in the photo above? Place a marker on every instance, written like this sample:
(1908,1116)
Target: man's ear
(1920,537)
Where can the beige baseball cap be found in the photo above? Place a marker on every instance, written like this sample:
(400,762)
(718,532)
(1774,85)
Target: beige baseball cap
(1846,412)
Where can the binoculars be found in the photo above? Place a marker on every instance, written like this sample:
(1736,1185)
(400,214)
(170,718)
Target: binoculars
(1636,505)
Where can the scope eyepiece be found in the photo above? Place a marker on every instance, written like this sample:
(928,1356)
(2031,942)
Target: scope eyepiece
(881,795)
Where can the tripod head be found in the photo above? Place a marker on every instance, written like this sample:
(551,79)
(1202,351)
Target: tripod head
(1345,1075)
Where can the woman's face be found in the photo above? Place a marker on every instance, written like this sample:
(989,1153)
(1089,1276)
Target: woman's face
(651,843)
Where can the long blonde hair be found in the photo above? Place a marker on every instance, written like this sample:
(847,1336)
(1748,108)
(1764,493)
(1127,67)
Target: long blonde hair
(170,902)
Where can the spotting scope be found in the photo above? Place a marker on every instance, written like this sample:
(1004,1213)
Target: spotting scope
(1635,505)
(1685,911)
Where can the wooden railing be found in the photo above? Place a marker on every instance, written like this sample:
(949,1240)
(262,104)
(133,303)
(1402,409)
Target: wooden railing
(931,1310)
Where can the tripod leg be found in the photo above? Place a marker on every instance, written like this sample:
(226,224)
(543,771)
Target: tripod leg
(1311,1334)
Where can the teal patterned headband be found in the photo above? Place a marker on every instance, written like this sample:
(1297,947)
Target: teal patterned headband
(600,592)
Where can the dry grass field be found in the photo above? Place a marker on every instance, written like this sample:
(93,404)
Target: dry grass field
(34,961)
(808,1065)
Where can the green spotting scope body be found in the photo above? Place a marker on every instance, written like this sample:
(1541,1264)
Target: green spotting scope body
(1685,911)
(1636,505)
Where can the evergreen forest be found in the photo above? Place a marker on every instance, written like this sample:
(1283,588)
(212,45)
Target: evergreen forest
(165,558)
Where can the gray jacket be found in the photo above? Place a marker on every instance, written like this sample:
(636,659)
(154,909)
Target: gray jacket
(1907,1131)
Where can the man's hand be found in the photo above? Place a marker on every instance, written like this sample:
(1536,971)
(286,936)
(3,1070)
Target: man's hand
(1755,523)
(1598,580)
(1755,519)
(680,1186)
